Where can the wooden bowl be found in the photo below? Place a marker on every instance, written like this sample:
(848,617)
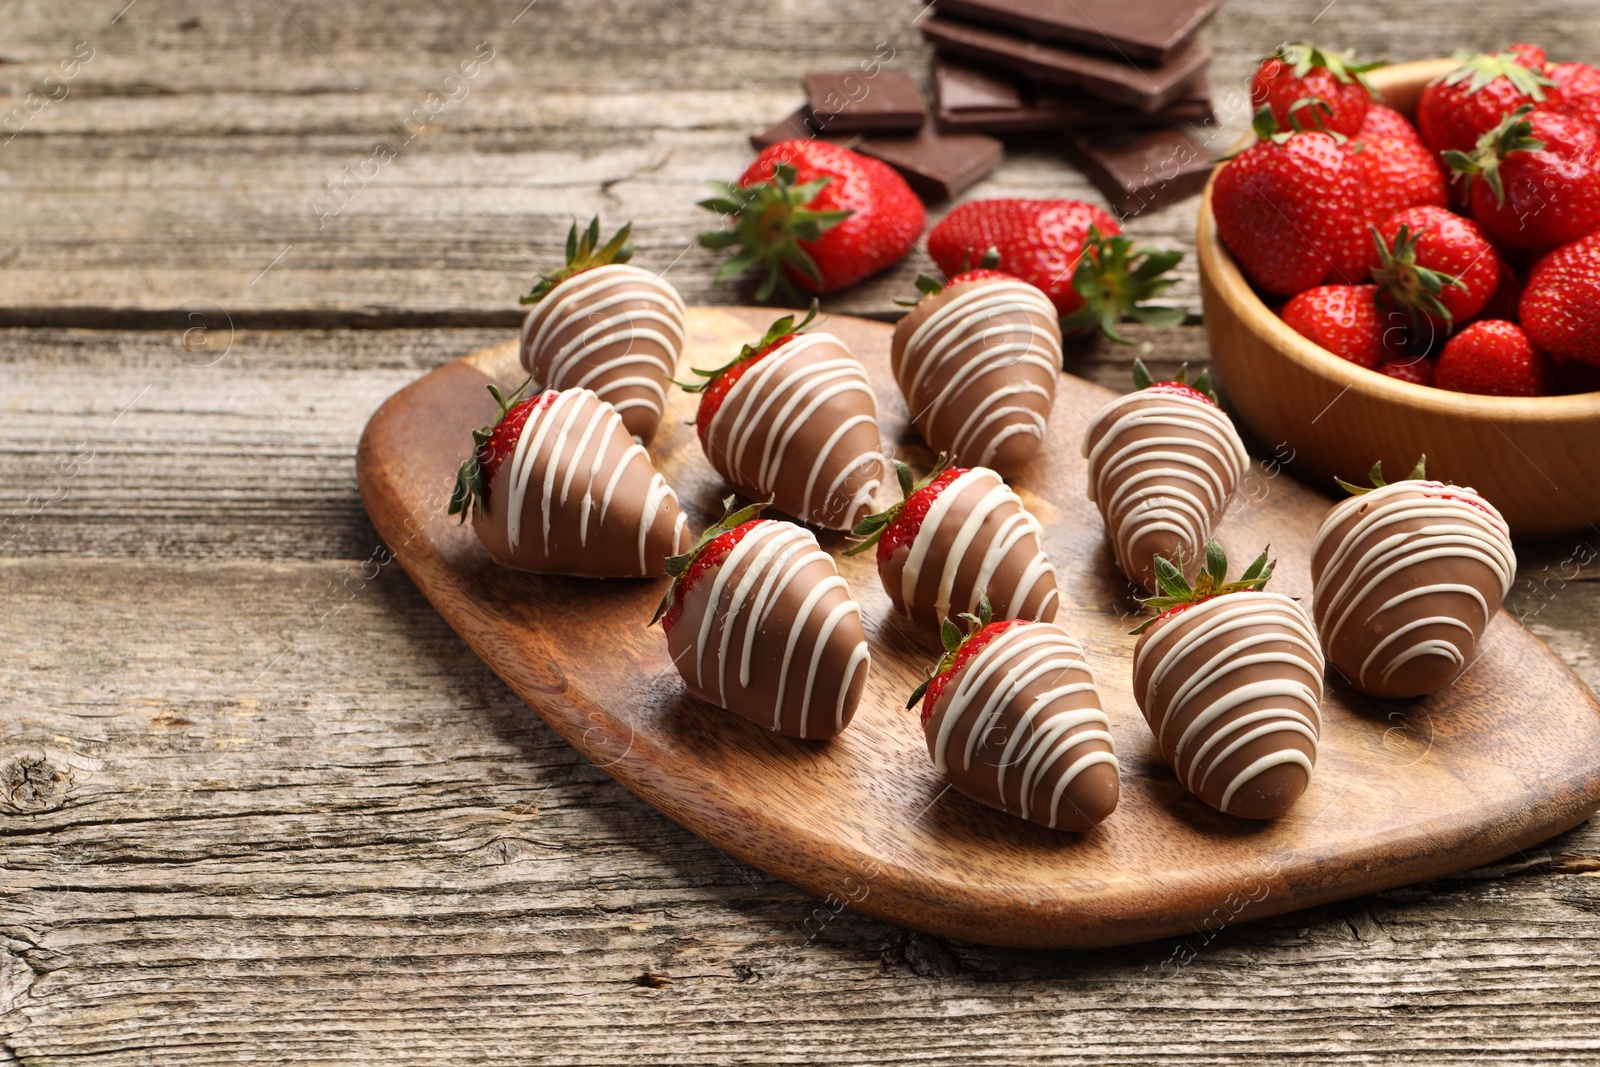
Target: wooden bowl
(1533,457)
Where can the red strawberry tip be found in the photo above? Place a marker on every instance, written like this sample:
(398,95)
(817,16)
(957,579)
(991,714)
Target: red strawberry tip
(472,477)
(584,252)
(1115,279)
(1175,594)
(678,567)
(871,529)
(1201,389)
(772,220)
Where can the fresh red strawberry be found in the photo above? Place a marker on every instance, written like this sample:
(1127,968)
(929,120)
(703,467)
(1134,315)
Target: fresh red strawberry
(1576,92)
(1560,307)
(714,388)
(1402,172)
(1288,205)
(1347,321)
(493,444)
(1417,370)
(1070,250)
(1435,266)
(899,525)
(814,215)
(1535,180)
(1299,73)
(1471,100)
(1495,358)
(954,659)
(708,552)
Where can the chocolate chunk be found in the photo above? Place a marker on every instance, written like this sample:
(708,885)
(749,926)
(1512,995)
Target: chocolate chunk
(805,126)
(852,101)
(1144,88)
(1142,31)
(1142,171)
(978,99)
(937,166)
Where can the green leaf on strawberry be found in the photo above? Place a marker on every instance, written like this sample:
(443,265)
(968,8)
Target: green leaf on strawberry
(584,252)
(1174,593)
(1375,476)
(1114,279)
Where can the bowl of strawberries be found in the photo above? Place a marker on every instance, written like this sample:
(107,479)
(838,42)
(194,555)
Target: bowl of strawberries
(1406,260)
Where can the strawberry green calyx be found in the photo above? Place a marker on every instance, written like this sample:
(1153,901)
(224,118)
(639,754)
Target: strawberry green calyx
(1115,279)
(771,219)
(471,486)
(678,566)
(1478,69)
(584,252)
(1514,134)
(1303,57)
(871,528)
(1305,116)
(1375,476)
(1176,593)
(1415,289)
(952,638)
(1142,379)
(928,285)
(780,329)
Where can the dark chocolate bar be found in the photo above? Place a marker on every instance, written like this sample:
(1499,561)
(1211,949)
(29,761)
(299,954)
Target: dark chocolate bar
(977,99)
(1143,171)
(1137,31)
(803,125)
(938,166)
(1144,88)
(853,101)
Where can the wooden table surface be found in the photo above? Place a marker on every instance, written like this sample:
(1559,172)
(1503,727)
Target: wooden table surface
(258,804)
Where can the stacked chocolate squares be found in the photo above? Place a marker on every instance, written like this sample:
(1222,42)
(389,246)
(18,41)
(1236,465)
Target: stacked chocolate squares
(1118,77)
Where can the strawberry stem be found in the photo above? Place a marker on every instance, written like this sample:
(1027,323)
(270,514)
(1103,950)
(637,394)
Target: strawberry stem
(1375,476)
(584,252)
(772,225)
(952,638)
(470,489)
(1115,279)
(678,566)
(779,329)
(1174,590)
(871,528)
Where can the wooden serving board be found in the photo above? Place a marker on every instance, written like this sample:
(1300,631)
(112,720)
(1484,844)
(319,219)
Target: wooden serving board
(1404,790)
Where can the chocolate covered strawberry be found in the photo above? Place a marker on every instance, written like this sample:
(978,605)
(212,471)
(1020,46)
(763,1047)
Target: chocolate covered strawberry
(758,621)
(1349,321)
(792,417)
(1229,677)
(1164,463)
(601,324)
(958,536)
(1534,180)
(1289,208)
(1436,267)
(1299,73)
(1068,250)
(1459,108)
(814,216)
(581,497)
(977,361)
(1407,576)
(1560,306)
(1495,359)
(1013,719)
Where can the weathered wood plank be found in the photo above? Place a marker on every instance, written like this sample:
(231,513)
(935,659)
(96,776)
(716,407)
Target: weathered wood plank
(327,840)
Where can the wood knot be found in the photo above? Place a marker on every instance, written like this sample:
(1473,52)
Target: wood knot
(34,784)
(651,980)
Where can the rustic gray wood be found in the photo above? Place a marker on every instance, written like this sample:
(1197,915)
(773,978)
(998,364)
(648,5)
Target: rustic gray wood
(259,805)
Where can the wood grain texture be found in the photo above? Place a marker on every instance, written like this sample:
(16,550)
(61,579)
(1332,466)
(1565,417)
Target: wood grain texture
(1405,791)
(1530,456)
(385,857)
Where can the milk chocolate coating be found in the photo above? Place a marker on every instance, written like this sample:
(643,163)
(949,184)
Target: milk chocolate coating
(1407,577)
(771,634)
(976,538)
(1232,688)
(977,364)
(801,425)
(1162,469)
(615,329)
(579,496)
(1020,729)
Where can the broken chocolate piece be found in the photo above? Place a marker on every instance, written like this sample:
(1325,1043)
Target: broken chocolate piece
(938,166)
(1144,88)
(801,125)
(980,100)
(852,101)
(1140,31)
(1143,171)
